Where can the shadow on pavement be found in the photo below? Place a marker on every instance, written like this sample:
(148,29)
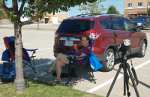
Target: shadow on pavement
(41,66)
(45,73)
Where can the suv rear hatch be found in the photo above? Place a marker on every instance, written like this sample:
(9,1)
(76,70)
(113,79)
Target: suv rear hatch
(75,26)
(69,33)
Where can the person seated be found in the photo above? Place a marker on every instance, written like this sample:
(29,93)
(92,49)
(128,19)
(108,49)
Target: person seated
(8,56)
(9,53)
(81,51)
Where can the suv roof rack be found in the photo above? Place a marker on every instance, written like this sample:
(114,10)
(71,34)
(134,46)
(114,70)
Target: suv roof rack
(95,14)
(89,14)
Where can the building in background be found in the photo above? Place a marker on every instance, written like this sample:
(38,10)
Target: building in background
(57,18)
(136,7)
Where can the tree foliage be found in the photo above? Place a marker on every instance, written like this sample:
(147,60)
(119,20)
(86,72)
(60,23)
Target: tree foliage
(51,6)
(2,14)
(37,8)
(112,10)
(92,8)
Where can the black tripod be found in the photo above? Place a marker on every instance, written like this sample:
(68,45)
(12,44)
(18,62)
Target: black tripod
(128,73)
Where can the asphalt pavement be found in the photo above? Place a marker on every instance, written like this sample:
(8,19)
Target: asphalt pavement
(43,39)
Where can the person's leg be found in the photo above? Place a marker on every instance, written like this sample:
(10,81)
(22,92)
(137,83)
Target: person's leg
(58,69)
(61,60)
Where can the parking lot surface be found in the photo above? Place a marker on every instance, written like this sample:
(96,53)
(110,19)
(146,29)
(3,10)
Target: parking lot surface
(43,39)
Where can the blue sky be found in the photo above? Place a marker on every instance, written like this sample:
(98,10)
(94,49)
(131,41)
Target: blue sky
(9,3)
(119,4)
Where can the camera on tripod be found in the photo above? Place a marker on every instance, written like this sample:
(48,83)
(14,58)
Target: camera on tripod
(128,70)
(125,45)
(124,48)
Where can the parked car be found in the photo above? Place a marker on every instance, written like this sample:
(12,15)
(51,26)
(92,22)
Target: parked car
(110,30)
(142,22)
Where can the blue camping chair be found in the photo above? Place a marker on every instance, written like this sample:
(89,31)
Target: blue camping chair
(7,69)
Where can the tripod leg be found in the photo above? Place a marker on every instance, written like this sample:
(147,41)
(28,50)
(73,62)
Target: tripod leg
(135,75)
(133,82)
(124,80)
(127,85)
(113,83)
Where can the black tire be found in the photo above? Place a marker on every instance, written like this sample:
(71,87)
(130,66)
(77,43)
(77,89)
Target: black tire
(109,60)
(143,47)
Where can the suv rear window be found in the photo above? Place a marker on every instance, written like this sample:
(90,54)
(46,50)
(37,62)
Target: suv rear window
(75,26)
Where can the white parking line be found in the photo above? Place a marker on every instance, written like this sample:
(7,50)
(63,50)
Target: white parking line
(119,77)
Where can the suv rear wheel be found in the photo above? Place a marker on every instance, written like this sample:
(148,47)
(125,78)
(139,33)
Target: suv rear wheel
(110,60)
(142,49)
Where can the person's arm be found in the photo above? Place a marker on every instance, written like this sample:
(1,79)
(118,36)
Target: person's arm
(77,49)
(84,52)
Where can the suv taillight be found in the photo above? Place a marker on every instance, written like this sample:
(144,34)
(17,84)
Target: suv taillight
(94,35)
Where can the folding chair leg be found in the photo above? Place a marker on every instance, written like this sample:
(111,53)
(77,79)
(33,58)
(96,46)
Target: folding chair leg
(92,76)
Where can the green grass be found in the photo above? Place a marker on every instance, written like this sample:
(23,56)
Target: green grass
(41,90)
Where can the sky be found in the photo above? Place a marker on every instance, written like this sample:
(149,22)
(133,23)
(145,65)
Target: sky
(119,4)
(9,3)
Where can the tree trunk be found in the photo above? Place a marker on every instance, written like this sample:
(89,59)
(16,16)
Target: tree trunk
(20,83)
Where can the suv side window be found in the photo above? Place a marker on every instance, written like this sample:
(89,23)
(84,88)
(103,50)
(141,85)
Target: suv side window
(129,26)
(117,23)
(105,23)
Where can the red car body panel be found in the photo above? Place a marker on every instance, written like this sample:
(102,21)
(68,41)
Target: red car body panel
(106,37)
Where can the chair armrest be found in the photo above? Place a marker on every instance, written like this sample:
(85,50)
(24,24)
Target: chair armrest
(32,50)
(1,62)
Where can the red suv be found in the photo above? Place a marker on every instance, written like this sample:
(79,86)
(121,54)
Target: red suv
(110,30)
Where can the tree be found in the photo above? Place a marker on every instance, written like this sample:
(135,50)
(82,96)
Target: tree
(39,12)
(92,8)
(28,8)
(112,10)
(2,15)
